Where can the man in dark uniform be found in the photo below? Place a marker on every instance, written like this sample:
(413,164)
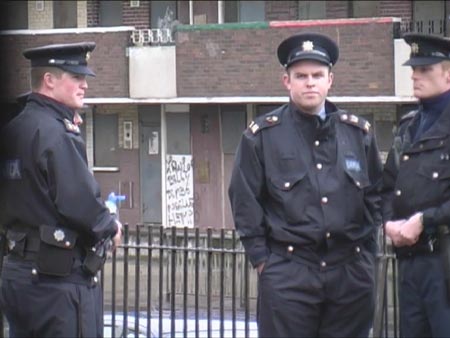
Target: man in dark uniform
(417,193)
(51,207)
(305,200)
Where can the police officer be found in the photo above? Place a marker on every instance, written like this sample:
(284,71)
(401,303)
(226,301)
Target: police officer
(417,192)
(305,199)
(50,204)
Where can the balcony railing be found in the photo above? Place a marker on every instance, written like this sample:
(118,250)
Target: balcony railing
(436,27)
(155,36)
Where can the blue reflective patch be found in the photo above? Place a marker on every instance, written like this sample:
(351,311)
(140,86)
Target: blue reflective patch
(352,164)
(11,169)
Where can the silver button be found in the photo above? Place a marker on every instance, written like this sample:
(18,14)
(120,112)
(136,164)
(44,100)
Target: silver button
(274,118)
(358,183)
(358,249)
(405,157)
(95,280)
(323,264)
(344,117)
(327,235)
(317,143)
(290,248)
(435,175)
(67,244)
(34,272)
(319,166)
(398,192)
(287,184)
(324,200)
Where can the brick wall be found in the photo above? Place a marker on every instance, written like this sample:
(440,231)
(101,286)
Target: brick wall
(139,17)
(399,8)
(281,10)
(42,19)
(93,7)
(212,62)
(108,61)
(337,9)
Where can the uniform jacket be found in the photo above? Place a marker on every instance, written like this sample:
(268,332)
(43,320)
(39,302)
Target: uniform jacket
(45,176)
(307,182)
(417,174)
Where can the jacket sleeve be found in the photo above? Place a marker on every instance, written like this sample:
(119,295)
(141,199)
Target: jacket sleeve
(74,190)
(246,192)
(387,190)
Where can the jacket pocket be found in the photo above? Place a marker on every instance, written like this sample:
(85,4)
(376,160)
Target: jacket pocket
(291,192)
(56,251)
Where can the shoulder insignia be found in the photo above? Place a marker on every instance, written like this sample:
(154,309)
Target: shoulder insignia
(355,121)
(73,128)
(264,122)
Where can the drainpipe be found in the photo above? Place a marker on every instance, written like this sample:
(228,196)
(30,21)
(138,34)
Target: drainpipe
(191,12)
(220,11)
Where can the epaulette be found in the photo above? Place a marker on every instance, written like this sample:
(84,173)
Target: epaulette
(355,121)
(269,120)
(73,128)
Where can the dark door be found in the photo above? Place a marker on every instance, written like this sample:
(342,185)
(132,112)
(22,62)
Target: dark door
(150,163)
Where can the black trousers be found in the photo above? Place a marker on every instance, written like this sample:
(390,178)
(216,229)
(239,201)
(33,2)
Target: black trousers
(51,309)
(424,306)
(301,300)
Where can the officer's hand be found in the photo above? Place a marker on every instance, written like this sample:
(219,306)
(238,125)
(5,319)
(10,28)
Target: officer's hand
(260,267)
(117,239)
(412,229)
(392,229)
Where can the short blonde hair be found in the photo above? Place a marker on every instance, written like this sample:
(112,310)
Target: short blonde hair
(37,75)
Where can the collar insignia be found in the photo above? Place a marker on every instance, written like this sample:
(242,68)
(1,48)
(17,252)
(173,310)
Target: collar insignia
(307,46)
(71,127)
(88,56)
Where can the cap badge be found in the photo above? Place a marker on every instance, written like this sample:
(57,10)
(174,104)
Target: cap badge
(414,48)
(58,235)
(307,46)
(88,56)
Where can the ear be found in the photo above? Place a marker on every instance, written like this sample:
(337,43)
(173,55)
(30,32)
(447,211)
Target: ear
(49,80)
(330,78)
(286,81)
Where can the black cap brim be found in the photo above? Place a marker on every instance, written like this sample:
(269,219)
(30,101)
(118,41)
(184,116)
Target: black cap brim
(423,61)
(81,70)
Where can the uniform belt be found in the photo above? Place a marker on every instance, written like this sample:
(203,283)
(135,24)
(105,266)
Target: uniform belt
(311,258)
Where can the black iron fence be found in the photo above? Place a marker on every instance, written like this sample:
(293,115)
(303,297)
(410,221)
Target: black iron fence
(180,282)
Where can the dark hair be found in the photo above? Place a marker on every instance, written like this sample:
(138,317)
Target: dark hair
(37,75)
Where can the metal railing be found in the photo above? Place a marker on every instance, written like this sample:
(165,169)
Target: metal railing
(203,276)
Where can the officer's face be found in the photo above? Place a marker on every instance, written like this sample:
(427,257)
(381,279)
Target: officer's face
(69,89)
(430,80)
(308,83)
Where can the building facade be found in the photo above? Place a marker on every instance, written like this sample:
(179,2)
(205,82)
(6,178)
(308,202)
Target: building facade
(178,81)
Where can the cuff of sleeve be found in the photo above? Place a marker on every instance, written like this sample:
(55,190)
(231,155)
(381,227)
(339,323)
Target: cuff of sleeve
(429,225)
(256,250)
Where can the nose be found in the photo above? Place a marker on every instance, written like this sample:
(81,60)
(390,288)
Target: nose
(310,81)
(84,84)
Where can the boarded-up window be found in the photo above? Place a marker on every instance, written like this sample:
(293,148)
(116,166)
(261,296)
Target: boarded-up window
(106,140)
(111,13)
(178,133)
(65,14)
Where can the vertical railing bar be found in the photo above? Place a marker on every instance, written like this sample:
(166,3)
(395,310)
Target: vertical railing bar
(246,299)
(394,296)
(185,280)
(233,284)
(149,279)
(208,281)
(125,281)
(222,281)
(172,281)
(113,291)
(137,279)
(161,269)
(197,280)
